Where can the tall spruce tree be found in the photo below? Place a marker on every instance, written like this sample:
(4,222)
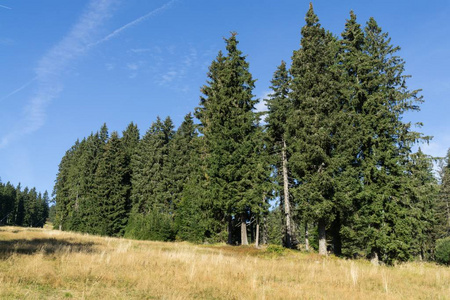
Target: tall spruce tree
(229,125)
(130,142)
(193,218)
(313,125)
(111,188)
(381,219)
(422,189)
(151,216)
(280,106)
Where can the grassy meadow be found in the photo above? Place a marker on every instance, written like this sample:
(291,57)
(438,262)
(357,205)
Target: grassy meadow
(50,264)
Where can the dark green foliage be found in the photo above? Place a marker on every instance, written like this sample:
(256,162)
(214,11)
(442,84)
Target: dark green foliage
(381,218)
(112,188)
(152,200)
(335,152)
(148,168)
(22,208)
(229,126)
(443,251)
(314,125)
(7,203)
(154,225)
(442,210)
(275,230)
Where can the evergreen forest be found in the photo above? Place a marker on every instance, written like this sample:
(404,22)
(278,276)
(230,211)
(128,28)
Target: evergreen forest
(331,166)
(23,206)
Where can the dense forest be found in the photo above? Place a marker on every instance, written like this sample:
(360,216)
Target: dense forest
(330,166)
(23,207)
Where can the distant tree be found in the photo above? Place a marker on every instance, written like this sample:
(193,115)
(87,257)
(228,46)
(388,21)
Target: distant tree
(7,203)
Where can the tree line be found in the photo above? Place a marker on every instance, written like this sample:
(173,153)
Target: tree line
(330,166)
(23,206)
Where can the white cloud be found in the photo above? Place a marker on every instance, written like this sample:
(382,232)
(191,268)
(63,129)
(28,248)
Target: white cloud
(53,64)
(140,50)
(168,77)
(110,66)
(437,147)
(132,66)
(261,105)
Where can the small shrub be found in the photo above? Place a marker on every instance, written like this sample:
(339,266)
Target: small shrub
(275,249)
(442,253)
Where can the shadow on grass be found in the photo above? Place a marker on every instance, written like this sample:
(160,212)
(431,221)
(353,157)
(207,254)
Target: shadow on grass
(46,246)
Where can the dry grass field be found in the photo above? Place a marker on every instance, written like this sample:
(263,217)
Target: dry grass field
(49,264)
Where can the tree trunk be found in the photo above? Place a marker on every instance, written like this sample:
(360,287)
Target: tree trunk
(322,238)
(306,237)
(257,234)
(244,240)
(287,206)
(375,260)
(264,231)
(337,242)
(230,231)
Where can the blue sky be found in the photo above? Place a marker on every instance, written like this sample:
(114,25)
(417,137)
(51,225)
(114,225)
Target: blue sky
(70,66)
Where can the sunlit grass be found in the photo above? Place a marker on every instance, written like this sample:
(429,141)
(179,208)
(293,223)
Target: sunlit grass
(48,264)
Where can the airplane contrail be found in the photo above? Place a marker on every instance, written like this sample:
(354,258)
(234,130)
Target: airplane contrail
(52,63)
(2,6)
(132,23)
(18,89)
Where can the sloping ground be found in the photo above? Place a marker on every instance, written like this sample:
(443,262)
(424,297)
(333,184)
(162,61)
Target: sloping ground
(48,264)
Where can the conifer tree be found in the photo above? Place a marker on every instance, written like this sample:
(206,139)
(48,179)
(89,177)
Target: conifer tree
(7,203)
(422,190)
(19,212)
(313,126)
(111,188)
(280,106)
(130,142)
(228,124)
(150,217)
(193,218)
(380,222)
(443,201)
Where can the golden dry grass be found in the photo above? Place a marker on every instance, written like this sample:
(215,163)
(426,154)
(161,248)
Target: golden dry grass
(48,264)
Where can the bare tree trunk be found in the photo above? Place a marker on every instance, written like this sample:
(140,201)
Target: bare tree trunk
(230,231)
(375,260)
(287,205)
(306,237)
(257,234)
(322,238)
(264,231)
(244,240)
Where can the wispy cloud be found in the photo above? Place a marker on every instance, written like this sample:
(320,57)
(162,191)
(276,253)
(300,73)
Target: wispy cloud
(261,105)
(18,89)
(51,67)
(6,7)
(6,42)
(134,22)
